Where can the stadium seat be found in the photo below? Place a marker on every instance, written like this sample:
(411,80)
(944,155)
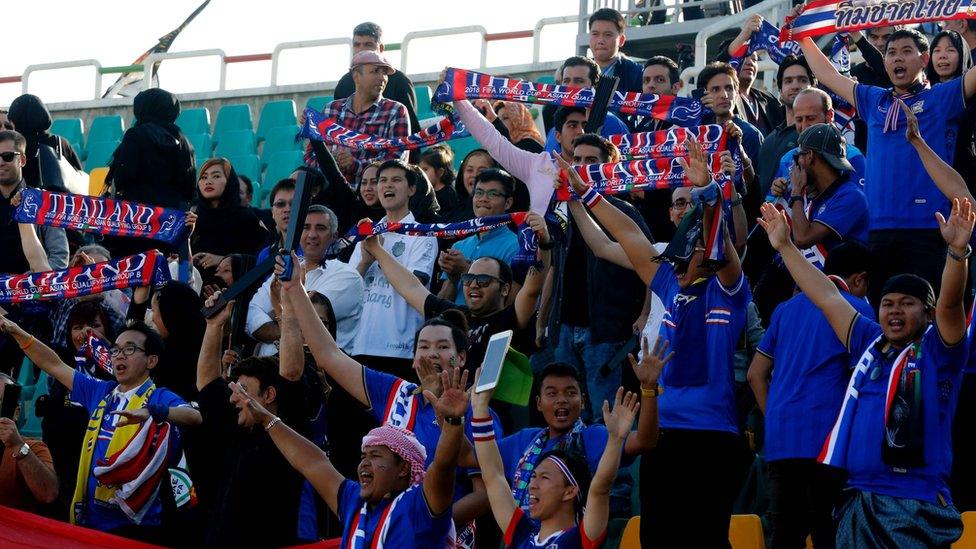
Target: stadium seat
(231,118)
(236,142)
(279,139)
(547,79)
(28,408)
(746,532)
(631,537)
(275,114)
(280,166)
(249,165)
(105,129)
(194,121)
(100,153)
(202,146)
(461,148)
(635,504)
(96,181)
(968,539)
(318,102)
(423,102)
(72,129)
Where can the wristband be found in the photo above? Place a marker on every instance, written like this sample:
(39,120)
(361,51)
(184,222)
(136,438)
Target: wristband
(274,421)
(963,257)
(591,198)
(159,412)
(29,343)
(482,429)
(454,420)
(656,391)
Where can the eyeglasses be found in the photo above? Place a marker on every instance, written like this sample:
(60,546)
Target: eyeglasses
(681,203)
(128,350)
(9,155)
(492,194)
(281,204)
(480,280)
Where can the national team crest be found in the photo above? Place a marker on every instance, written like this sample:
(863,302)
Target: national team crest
(398,248)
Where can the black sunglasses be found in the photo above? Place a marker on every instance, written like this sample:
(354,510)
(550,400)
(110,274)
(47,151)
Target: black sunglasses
(9,155)
(480,280)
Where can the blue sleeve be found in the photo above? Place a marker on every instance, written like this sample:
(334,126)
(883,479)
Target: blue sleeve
(784,165)
(737,296)
(612,125)
(860,166)
(948,360)
(551,143)
(519,530)
(348,498)
(844,210)
(866,99)
(167,398)
(378,388)
(89,391)
(429,530)
(949,98)
(767,345)
(863,332)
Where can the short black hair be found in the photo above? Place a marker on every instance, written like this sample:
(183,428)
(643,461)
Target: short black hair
(608,14)
(560,369)
(368,29)
(847,259)
(262,368)
(323,301)
(499,175)
(411,173)
(921,42)
(674,73)
(793,61)
(562,113)
(608,151)
(712,70)
(453,319)
(154,344)
(20,142)
(286,184)
(580,61)
(505,273)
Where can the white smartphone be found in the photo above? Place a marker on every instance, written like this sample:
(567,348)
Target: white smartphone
(491,366)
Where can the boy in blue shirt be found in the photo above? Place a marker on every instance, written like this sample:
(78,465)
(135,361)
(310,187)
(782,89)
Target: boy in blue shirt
(893,432)
(810,368)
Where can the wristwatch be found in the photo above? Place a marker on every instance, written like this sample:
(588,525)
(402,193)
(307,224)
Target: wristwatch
(454,420)
(21,452)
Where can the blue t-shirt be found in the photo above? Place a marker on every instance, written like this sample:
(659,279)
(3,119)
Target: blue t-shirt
(843,209)
(703,323)
(523,533)
(811,369)
(612,125)
(89,392)
(410,521)
(941,369)
(900,193)
(854,156)
(500,243)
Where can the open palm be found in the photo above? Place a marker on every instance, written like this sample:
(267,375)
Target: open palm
(696,165)
(620,420)
(776,226)
(959,228)
(453,401)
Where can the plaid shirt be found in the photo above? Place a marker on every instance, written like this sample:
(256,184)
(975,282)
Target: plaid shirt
(384,118)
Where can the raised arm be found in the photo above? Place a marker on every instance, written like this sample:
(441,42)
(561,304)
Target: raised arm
(528,295)
(441,473)
(303,455)
(945,177)
(39,353)
(950,314)
(811,281)
(500,497)
(33,250)
(619,423)
(403,281)
(290,352)
(647,371)
(512,158)
(208,361)
(596,239)
(328,356)
(825,71)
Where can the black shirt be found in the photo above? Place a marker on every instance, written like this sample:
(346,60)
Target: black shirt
(12,260)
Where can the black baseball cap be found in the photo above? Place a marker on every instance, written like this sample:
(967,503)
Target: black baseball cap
(825,140)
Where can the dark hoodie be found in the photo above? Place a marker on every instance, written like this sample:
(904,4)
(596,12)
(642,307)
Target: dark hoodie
(32,119)
(154,163)
(964,159)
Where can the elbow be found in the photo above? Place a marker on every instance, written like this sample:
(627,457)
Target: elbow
(291,375)
(194,418)
(49,493)
(755,378)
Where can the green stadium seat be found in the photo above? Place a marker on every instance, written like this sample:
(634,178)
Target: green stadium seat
(461,148)
(236,142)
(280,166)
(72,129)
(232,118)
(275,114)
(249,165)
(319,102)
(280,139)
(105,128)
(202,146)
(28,408)
(423,102)
(100,153)
(194,121)
(547,79)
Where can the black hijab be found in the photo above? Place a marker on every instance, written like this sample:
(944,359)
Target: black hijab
(179,307)
(157,106)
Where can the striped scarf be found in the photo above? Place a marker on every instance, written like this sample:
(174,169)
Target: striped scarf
(97,215)
(766,38)
(670,142)
(378,538)
(631,175)
(572,440)
(402,405)
(894,111)
(821,17)
(320,128)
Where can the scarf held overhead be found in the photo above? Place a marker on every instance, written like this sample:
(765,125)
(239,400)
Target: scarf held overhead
(320,128)
(462,84)
(148,268)
(670,142)
(98,215)
(830,16)
(632,175)
(766,38)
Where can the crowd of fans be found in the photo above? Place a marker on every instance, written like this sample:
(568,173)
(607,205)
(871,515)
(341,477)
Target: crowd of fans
(820,375)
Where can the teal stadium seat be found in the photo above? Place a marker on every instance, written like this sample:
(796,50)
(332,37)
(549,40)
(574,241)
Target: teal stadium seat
(280,166)
(72,129)
(105,128)
(318,102)
(194,121)
(275,114)
(232,118)
(249,165)
(547,79)
(236,142)
(461,148)
(202,146)
(423,102)
(100,153)
(279,139)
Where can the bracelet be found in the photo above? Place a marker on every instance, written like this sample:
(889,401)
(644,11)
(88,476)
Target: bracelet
(482,429)
(274,421)
(737,201)
(28,344)
(964,256)
(651,393)
(159,412)
(591,198)
(454,420)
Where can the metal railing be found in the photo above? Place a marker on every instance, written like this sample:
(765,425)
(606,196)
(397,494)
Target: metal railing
(276,54)
(647,12)
(410,36)
(25,78)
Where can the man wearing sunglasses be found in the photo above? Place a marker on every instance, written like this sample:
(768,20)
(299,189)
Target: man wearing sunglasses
(118,409)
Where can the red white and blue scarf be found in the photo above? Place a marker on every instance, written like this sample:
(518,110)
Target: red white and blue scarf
(402,405)
(464,84)
(100,215)
(320,128)
(830,16)
(670,142)
(631,175)
(766,38)
(148,268)
(94,358)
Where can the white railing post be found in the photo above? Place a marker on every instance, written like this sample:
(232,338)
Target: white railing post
(154,57)
(65,65)
(410,36)
(537,32)
(300,45)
